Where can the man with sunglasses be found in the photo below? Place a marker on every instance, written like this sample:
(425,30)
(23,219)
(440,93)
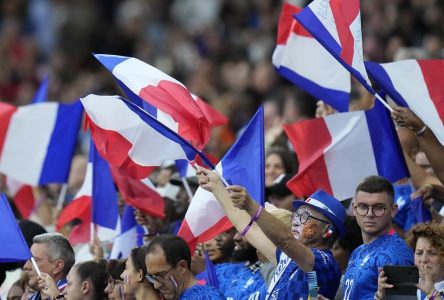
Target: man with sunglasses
(374,209)
(168,261)
(303,248)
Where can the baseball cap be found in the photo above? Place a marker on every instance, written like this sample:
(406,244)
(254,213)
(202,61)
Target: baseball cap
(327,205)
(279,187)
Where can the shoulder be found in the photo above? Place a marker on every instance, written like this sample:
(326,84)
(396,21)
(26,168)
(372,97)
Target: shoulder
(394,250)
(202,292)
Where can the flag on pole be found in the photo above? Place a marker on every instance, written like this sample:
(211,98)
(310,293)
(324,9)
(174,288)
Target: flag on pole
(243,165)
(165,98)
(336,152)
(300,58)
(417,84)
(14,247)
(37,141)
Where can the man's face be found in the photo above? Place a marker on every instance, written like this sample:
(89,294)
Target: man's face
(40,253)
(225,242)
(169,280)
(243,251)
(373,212)
(74,290)
(306,225)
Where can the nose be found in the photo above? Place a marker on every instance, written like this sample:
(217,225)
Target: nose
(28,265)
(157,285)
(237,237)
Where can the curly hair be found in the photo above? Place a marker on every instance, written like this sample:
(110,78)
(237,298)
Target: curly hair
(431,231)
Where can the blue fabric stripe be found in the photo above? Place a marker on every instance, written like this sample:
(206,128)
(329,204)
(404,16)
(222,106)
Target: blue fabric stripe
(152,110)
(42,93)
(62,144)
(337,99)
(386,147)
(105,211)
(110,61)
(312,24)
(380,76)
(243,164)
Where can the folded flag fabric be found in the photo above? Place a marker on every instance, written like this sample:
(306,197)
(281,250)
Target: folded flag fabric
(336,152)
(37,141)
(22,196)
(336,24)
(165,98)
(243,165)
(14,247)
(300,58)
(129,138)
(417,84)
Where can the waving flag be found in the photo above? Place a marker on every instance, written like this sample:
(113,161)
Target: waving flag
(243,164)
(130,237)
(167,99)
(42,93)
(417,84)
(37,141)
(336,152)
(336,24)
(14,247)
(22,195)
(129,138)
(304,61)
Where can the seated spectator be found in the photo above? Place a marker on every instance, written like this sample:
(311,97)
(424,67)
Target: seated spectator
(168,261)
(426,240)
(86,280)
(134,276)
(374,208)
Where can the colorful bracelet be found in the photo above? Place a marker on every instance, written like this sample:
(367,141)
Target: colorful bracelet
(253,219)
(421,131)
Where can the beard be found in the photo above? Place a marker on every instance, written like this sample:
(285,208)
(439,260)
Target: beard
(244,254)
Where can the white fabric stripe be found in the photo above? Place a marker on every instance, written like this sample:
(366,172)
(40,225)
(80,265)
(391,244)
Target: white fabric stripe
(137,75)
(107,234)
(150,148)
(408,80)
(358,59)
(349,158)
(124,243)
(27,140)
(319,204)
(311,60)
(204,210)
(322,10)
(13,186)
(86,188)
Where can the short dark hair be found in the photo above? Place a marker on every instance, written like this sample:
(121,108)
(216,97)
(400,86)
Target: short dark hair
(115,268)
(95,272)
(174,247)
(138,257)
(376,184)
(289,159)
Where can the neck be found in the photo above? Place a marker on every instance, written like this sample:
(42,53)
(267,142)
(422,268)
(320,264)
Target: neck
(189,281)
(367,238)
(145,292)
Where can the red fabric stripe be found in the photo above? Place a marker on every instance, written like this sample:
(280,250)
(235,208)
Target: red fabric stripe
(214,117)
(309,138)
(114,148)
(24,201)
(139,195)
(6,112)
(177,101)
(79,208)
(344,14)
(186,233)
(432,70)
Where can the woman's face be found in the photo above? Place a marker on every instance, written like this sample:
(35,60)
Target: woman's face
(131,277)
(114,289)
(74,289)
(429,260)
(274,167)
(214,252)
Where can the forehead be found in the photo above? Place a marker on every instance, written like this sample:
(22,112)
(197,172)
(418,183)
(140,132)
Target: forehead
(156,261)
(423,243)
(39,250)
(371,198)
(307,208)
(274,159)
(72,274)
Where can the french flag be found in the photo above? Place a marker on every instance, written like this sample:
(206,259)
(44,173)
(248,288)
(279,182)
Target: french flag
(22,195)
(243,164)
(95,202)
(301,59)
(417,84)
(165,98)
(336,24)
(131,139)
(336,152)
(37,141)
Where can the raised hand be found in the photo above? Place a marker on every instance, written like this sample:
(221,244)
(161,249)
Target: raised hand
(240,198)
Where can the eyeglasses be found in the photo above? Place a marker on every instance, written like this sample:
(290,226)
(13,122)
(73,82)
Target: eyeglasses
(303,217)
(158,278)
(377,210)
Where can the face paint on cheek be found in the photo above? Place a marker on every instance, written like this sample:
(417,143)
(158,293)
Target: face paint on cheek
(309,230)
(121,294)
(126,279)
(173,280)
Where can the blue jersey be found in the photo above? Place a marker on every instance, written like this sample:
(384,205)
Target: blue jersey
(201,292)
(244,282)
(361,277)
(290,282)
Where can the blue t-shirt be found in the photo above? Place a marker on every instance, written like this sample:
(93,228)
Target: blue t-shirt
(361,277)
(201,292)
(290,282)
(242,283)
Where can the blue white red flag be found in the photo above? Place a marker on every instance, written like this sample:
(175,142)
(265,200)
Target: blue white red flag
(164,98)
(243,165)
(37,141)
(417,84)
(300,58)
(336,152)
